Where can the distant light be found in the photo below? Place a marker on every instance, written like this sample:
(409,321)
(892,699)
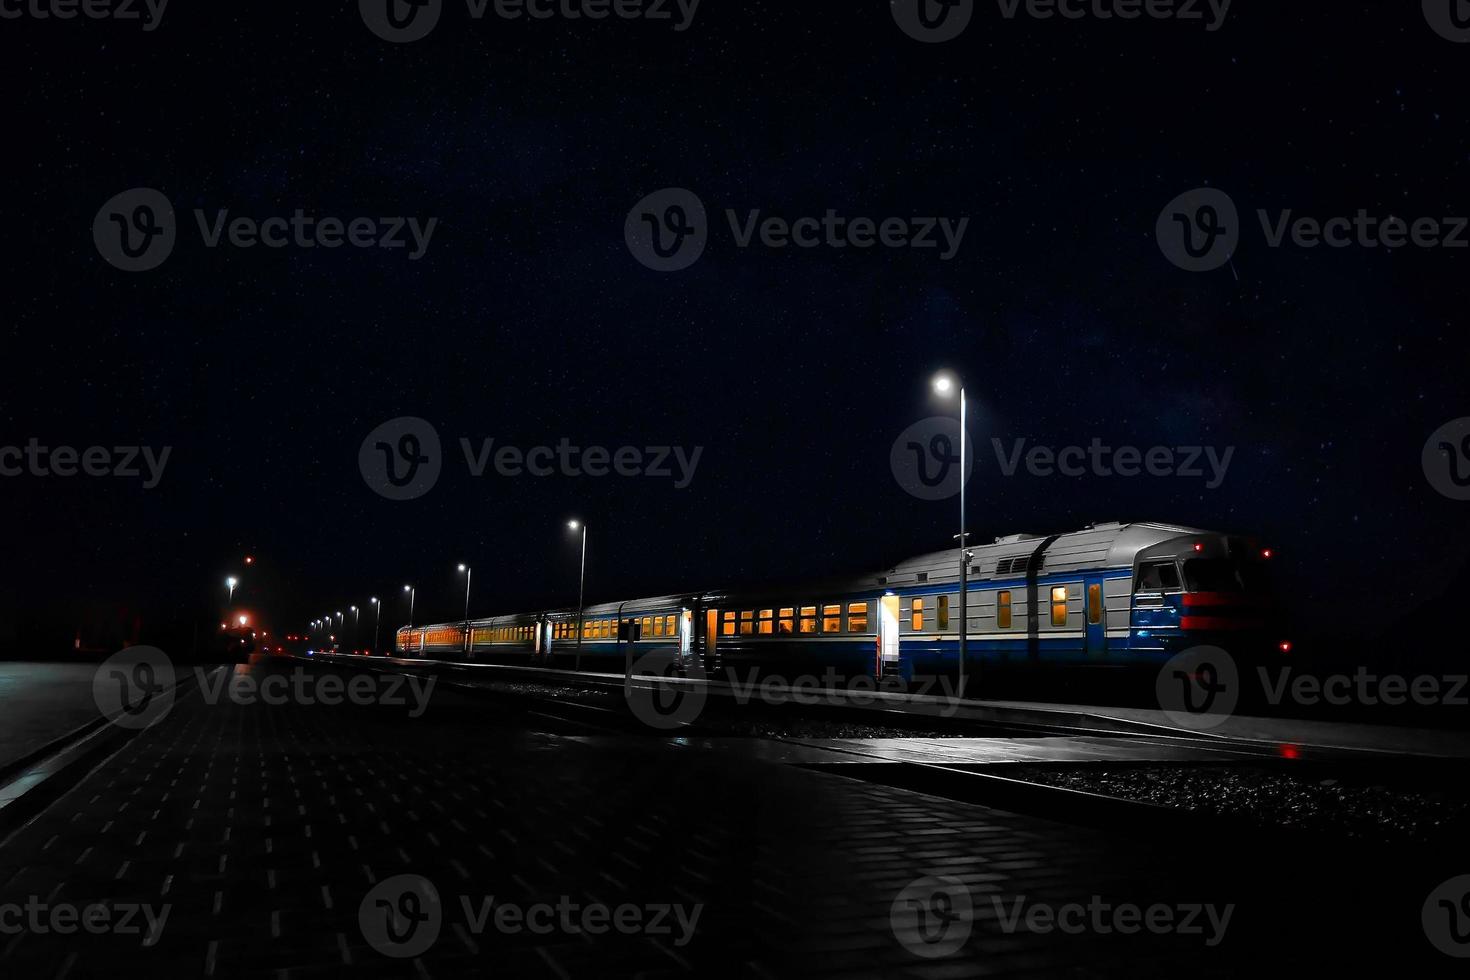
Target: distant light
(1266,553)
(461,567)
(1289,752)
(374,600)
(232,581)
(224,626)
(243,620)
(573,525)
(944,385)
(1284,646)
(250,559)
(408,588)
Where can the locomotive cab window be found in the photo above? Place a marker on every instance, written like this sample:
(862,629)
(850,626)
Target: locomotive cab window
(1157,576)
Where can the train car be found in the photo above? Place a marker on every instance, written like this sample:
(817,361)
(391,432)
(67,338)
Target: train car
(1112,595)
(616,633)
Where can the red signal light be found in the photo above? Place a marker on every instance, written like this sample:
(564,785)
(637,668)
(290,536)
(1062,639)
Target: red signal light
(1198,546)
(1266,553)
(1284,646)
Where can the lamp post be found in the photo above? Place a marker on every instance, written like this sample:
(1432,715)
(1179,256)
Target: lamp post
(945,385)
(581,588)
(412,592)
(469,574)
(356,621)
(377,624)
(230,584)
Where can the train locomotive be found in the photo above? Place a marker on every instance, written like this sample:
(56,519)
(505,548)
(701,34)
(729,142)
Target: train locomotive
(1109,595)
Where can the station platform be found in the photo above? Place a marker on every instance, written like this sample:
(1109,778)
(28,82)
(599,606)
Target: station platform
(267,830)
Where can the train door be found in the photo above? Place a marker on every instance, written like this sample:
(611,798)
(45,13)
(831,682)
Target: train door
(711,630)
(1095,618)
(686,634)
(888,635)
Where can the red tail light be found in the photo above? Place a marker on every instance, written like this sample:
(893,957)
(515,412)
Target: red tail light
(1284,646)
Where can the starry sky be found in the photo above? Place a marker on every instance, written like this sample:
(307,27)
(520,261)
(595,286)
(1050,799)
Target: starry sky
(529,321)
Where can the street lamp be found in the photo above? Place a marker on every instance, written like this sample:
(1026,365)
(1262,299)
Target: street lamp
(411,593)
(356,620)
(469,574)
(944,386)
(377,622)
(230,583)
(575,525)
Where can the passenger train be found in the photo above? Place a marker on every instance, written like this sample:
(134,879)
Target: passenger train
(1110,594)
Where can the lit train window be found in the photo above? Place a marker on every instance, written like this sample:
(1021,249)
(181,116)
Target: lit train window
(659,629)
(857,617)
(728,628)
(944,612)
(1094,604)
(786,621)
(808,619)
(916,619)
(1003,610)
(832,618)
(671,625)
(747,622)
(1059,606)
(767,622)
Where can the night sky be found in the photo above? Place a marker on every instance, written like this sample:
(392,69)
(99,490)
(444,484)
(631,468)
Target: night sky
(528,320)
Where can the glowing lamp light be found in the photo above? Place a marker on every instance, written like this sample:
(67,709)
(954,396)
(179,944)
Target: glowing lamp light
(943,385)
(250,559)
(243,620)
(1266,553)
(1284,646)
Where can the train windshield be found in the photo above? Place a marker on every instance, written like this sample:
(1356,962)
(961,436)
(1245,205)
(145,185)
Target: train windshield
(1225,575)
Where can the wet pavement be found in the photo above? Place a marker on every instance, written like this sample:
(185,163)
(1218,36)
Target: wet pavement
(261,836)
